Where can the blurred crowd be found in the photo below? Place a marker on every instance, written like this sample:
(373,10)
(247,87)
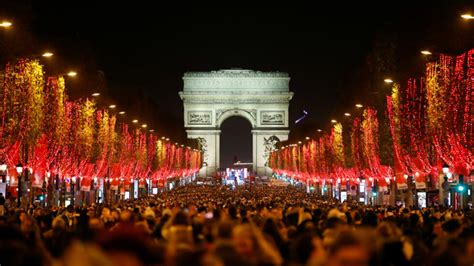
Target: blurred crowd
(251,225)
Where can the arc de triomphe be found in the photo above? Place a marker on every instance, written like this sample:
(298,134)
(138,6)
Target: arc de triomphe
(262,98)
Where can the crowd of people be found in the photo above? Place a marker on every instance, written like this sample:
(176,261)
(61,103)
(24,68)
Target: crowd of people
(250,225)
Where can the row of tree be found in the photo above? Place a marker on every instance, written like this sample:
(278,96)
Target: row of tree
(429,125)
(47,133)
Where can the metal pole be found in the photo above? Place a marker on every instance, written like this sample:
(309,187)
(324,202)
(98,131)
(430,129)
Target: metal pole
(19,190)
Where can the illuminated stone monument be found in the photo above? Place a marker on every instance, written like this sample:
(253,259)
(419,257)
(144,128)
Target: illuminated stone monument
(262,98)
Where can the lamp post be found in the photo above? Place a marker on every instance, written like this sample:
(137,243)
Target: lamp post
(19,169)
(3,172)
(49,189)
(73,190)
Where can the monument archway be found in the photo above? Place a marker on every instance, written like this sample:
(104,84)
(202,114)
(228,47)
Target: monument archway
(209,98)
(236,141)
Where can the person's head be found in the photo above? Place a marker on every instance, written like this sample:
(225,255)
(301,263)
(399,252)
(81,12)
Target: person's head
(105,212)
(452,227)
(348,250)
(181,218)
(244,240)
(58,224)
(388,230)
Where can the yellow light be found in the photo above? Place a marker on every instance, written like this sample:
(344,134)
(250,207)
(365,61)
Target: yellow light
(307,138)
(162,137)
(5,24)
(333,121)
(359,105)
(467,16)
(135,121)
(320,130)
(144,125)
(426,52)
(72,74)
(121,112)
(347,114)
(112,106)
(151,130)
(95,94)
(388,81)
(299,142)
(48,54)
(167,139)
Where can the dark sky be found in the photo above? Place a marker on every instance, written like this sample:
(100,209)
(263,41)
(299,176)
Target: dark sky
(136,52)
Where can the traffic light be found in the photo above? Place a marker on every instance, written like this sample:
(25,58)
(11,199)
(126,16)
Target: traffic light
(374,194)
(41,197)
(461,187)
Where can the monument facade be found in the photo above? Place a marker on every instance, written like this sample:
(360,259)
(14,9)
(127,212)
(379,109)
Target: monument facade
(262,98)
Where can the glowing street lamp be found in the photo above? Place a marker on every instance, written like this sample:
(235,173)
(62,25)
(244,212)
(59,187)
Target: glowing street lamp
(72,73)
(144,125)
(388,80)
(307,138)
(121,112)
(333,121)
(426,52)
(319,130)
(467,16)
(3,171)
(112,106)
(359,105)
(347,114)
(134,121)
(47,54)
(5,24)
(151,130)
(95,94)
(445,168)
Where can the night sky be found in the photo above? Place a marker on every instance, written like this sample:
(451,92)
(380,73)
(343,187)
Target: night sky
(135,53)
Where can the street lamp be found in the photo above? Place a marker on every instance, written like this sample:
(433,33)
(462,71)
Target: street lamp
(387,80)
(3,171)
(359,105)
(112,106)
(467,16)
(445,168)
(5,24)
(95,94)
(347,114)
(72,73)
(333,121)
(121,113)
(426,52)
(19,169)
(47,54)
